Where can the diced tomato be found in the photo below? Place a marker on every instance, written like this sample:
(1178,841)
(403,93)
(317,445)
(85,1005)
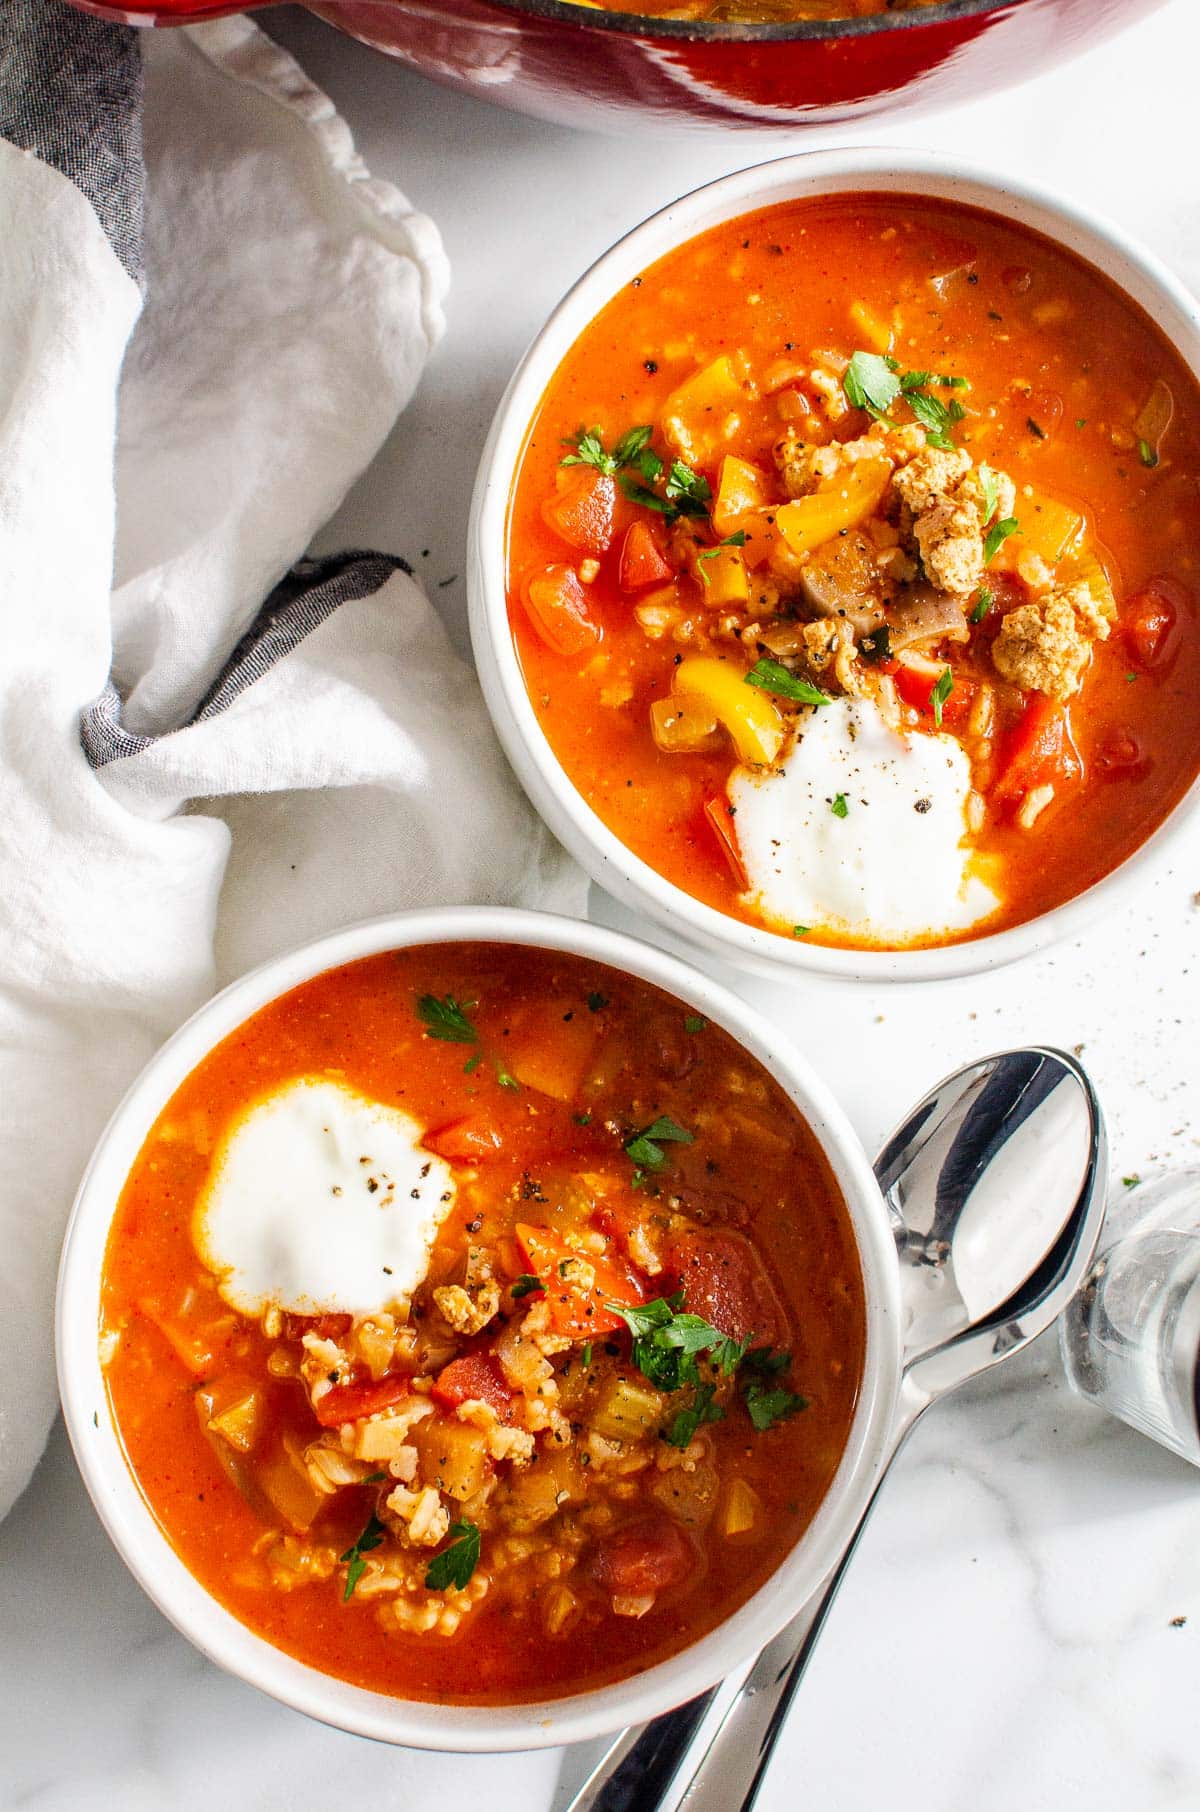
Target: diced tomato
(642,559)
(464,1141)
(1150,623)
(722,1279)
(474,1378)
(1039,751)
(558,610)
(915,684)
(351,1402)
(582,512)
(643,1559)
(574,1310)
(717,811)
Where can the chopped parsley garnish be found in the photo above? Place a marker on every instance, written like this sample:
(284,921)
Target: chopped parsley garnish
(689,491)
(801,930)
(877,646)
(839,807)
(940,694)
(446,1018)
(588,450)
(505,1079)
(983,604)
(1035,428)
(767,1401)
(685,493)
(472,1063)
(455,1564)
(1131,1182)
(694,1023)
(585,1357)
(646,1147)
(525,1285)
(1147,455)
(766,1407)
(773,676)
(871,383)
(371,1537)
(582,1119)
(597,1002)
(997,535)
(666,1342)
(701,1409)
(991,493)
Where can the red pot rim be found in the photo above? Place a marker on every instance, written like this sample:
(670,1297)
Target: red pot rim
(725,31)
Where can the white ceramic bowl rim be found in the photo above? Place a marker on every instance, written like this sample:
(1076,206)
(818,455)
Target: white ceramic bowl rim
(136,1532)
(1091,237)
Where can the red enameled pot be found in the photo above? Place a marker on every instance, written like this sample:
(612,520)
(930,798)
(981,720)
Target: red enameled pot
(583,67)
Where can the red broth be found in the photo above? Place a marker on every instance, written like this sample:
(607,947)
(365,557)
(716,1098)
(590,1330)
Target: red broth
(1065,386)
(620,1534)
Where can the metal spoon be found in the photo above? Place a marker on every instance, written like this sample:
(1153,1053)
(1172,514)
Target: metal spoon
(995,1184)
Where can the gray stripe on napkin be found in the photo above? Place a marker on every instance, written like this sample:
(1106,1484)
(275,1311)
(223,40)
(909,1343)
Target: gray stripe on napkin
(304,599)
(71,92)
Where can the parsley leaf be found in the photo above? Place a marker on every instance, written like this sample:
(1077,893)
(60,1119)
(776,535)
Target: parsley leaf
(767,1399)
(801,930)
(773,676)
(645,1148)
(667,1341)
(505,1079)
(737,539)
(597,1002)
(687,1421)
(525,1284)
(997,535)
(446,1018)
(1131,1182)
(694,1023)
(585,1357)
(766,1407)
(631,445)
(371,1537)
(983,604)
(641,493)
(588,450)
(1147,455)
(991,493)
(455,1564)
(838,806)
(687,490)
(940,694)
(871,383)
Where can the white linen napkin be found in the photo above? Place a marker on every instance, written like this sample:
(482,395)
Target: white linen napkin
(251,774)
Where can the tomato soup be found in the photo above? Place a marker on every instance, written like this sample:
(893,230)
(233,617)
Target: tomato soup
(852,566)
(481,1324)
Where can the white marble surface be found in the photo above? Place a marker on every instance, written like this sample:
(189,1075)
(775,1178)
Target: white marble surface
(1005,1635)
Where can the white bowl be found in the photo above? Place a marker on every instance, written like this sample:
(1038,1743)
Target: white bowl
(140,1539)
(605,857)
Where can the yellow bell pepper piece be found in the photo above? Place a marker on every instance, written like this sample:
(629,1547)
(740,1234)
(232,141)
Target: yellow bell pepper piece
(877,332)
(699,417)
(741,1509)
(748,714)
(840,503)
(741,488)
(1052,529)
(722,573)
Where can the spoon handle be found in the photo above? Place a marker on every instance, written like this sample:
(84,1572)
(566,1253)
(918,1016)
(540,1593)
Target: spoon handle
(710,1755)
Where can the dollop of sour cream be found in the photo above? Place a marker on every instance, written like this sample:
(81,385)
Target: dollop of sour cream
(321,1201)
(860,830)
